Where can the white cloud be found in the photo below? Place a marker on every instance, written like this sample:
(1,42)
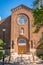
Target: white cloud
(0,18)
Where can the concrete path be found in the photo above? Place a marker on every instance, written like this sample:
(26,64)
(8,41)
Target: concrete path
(23,59)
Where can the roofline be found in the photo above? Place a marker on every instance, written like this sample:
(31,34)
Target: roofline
(5,18)
(22,6)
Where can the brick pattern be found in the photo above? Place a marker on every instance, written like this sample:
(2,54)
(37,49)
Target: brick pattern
(12,28)
(6,24)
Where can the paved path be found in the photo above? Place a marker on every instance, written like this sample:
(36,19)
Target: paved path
(16,63)
(22,60)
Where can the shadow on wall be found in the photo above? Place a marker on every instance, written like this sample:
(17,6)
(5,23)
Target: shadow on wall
(39,51)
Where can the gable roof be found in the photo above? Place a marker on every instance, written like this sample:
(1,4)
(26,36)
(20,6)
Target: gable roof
(4,20)
(22,6)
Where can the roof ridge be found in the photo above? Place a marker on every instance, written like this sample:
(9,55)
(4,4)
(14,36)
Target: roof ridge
(22,5)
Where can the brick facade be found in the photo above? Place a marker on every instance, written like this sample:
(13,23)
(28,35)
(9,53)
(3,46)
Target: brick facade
(12,27)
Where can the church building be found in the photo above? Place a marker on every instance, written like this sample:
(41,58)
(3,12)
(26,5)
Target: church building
(18,32)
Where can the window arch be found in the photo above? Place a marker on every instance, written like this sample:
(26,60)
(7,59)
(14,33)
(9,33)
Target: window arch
(22,19)
(21,41)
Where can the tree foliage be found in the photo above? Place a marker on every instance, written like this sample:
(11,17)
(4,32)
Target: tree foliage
(38,17)
(2,43)
(35,2)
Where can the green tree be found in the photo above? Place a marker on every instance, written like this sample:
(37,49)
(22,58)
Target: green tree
(1,48)
(35,2)
(2,43)
(38,17)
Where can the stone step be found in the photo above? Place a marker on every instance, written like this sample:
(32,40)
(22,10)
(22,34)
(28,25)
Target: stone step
(17,57)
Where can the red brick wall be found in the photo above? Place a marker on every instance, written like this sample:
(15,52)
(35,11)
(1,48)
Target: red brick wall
(12,27)
(6,23)
(15,27)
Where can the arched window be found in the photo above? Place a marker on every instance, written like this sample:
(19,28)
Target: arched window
(21,41)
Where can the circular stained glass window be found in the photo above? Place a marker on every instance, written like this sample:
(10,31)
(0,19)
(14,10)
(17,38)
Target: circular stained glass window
(22,20)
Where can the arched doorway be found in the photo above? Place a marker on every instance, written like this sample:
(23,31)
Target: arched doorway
(21,46)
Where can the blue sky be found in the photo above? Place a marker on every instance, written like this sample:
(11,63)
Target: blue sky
(7,5)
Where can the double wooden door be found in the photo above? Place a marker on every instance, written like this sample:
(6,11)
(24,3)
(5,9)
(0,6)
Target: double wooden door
(21,49)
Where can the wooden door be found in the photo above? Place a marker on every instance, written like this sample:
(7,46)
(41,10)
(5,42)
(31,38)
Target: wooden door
(22,49)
